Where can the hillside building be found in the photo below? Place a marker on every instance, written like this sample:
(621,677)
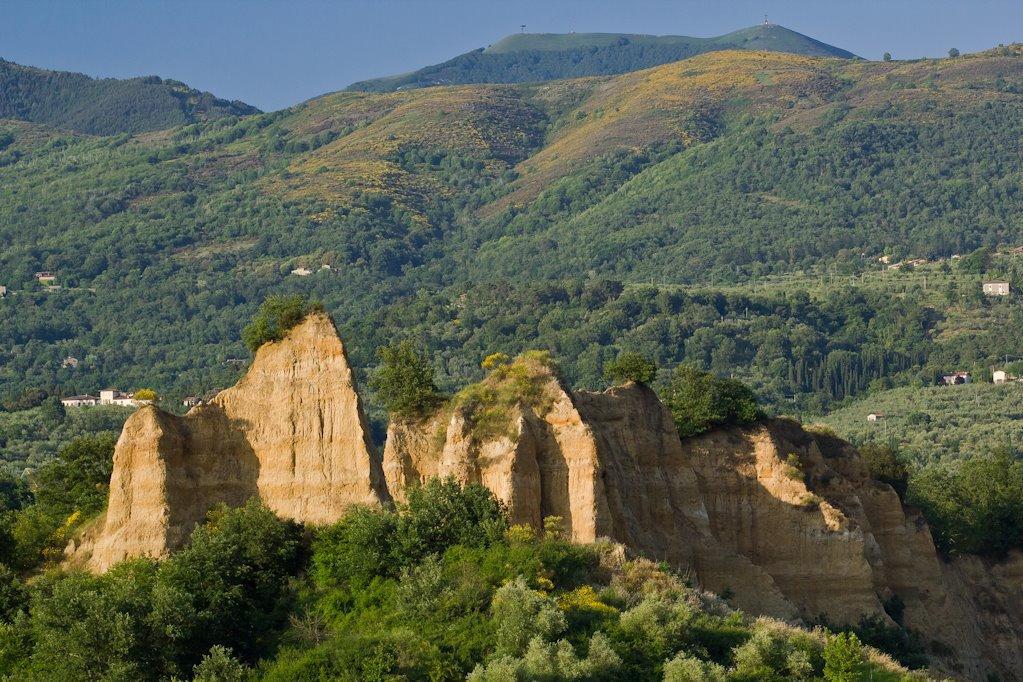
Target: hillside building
(956,378)
(45,278)
(3,291)
(70,362)
(996,288)
(875,416)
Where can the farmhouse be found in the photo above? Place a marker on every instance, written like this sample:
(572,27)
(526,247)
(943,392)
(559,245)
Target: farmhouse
(45,277)
(3,291)
(996,288)
(875,416)
(956,378)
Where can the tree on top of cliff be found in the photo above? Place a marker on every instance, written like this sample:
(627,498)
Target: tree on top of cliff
(699,401)
(630,366)
(404,380)
(276,316)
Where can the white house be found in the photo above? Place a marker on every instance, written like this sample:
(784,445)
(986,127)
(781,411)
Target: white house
(111,396)
(875,416)
(956,378)
(3,290)
(302,272)
(79,401)
(996,288)
(191,401)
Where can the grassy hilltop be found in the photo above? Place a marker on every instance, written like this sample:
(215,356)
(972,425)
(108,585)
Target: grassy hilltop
(534,57)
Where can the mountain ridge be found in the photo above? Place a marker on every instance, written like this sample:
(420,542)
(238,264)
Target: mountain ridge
(106,106)
(537,57)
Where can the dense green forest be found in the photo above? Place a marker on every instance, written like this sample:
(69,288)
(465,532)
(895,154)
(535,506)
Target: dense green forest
(738,232)
(106,106)
(525,58)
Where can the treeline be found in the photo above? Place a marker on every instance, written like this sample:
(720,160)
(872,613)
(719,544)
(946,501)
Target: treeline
(440,587)
(107,106)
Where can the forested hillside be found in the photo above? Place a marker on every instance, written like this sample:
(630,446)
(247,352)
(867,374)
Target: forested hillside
(532,57)
(649,211)
(106,106)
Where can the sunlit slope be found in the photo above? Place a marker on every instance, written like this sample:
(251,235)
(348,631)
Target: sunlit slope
(539,57)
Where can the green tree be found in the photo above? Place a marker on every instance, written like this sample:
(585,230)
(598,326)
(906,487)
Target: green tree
(630,366)
(354,550)
(404,380)
(234,580)
(953,53)
(886,465)
(276,316)
(843,658)
(78,479)
(887,56)
(441,514)
(700,401)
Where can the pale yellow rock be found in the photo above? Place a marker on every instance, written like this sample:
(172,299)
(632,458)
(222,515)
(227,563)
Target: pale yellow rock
(787,521)
(291,433)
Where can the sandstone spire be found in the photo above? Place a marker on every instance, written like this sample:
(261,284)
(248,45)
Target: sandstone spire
(291,433)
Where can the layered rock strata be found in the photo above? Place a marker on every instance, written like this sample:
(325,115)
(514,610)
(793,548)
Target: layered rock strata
(291,433)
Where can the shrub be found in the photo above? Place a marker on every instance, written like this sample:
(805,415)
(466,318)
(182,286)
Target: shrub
(974,506)
(686,668)
(630,367)
(145,394)
(700,401)
(233,580)
(441,514)
(355,549)
(404,381)
(520,614)
(276,316)
(886,465)
(13,596)
(219,665)
(843,658)
(78,479)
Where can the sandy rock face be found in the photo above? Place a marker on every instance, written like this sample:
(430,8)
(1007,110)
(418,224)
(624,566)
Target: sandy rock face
(291,433)
(786,520)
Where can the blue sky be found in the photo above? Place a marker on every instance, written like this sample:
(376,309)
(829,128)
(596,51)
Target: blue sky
(273,54)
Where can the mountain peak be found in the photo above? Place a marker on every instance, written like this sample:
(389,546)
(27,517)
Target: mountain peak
(533,57)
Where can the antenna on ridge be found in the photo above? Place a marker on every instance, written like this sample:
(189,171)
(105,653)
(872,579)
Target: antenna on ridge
(766,22)
(522,28)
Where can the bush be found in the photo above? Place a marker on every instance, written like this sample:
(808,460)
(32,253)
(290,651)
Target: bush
(78,479)
(404,381)
(974,506)
(353,551)
(276,316)
(630,367)
(441,514)
(700,401)
(886,465)
(843,658)
(233,580)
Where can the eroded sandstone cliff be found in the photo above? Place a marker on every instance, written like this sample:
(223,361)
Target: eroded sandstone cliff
(787,521)
(291,433)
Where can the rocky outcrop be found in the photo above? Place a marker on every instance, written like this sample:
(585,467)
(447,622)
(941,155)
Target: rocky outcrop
(785,520)
(291,433)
